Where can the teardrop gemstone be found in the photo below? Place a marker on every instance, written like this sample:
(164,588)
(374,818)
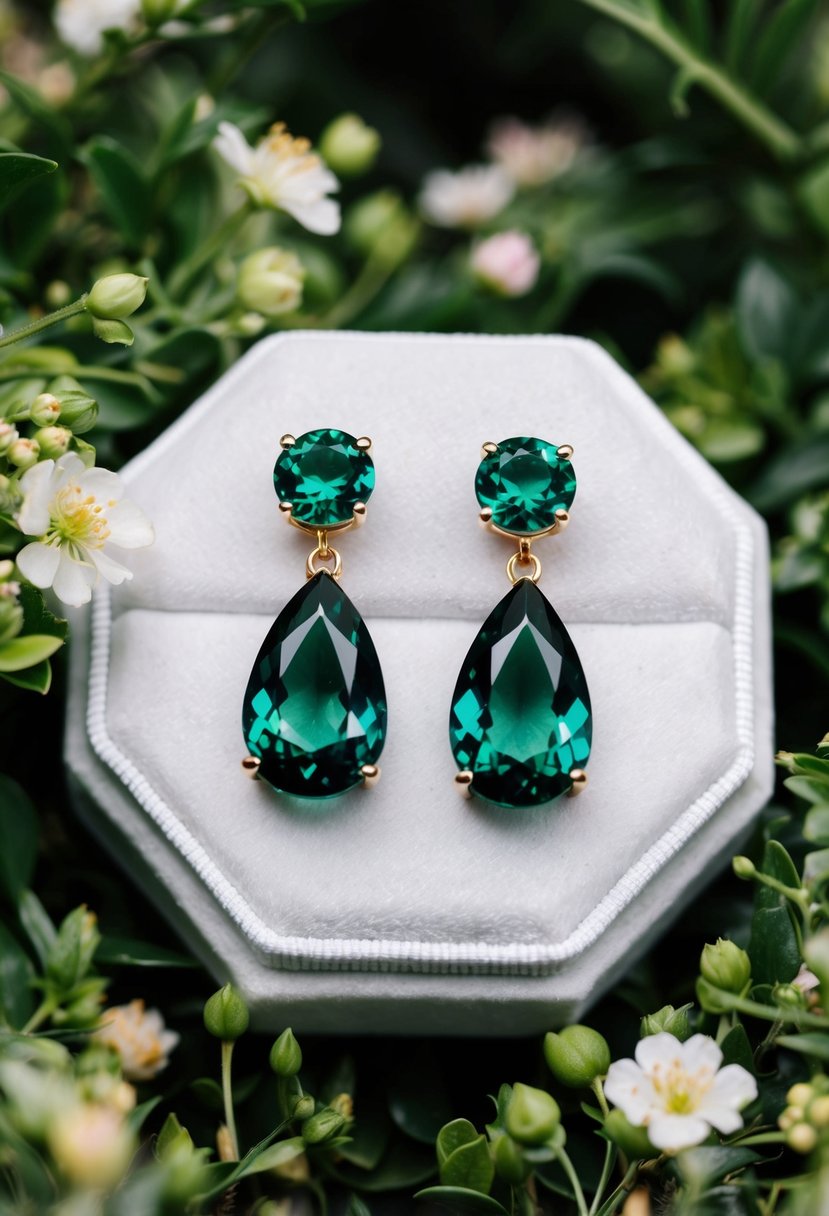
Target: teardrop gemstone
(314,710)
(521,718)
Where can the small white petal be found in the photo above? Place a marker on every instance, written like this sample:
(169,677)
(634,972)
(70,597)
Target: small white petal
(39,563)
(103,483)
(37,486)
(71,465)
(659,1049)
(629,1088)
(700,1051)
(674,1132)
(732,1089)
(73,582)
(111,570)
(232,146)
(128,525)
(320,215)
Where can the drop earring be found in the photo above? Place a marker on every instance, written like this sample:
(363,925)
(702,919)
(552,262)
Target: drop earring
(314,711)
(520,725)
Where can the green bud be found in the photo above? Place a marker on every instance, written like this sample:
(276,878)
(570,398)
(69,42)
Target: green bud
(8,435)
(70,954)
(577,1055)
(11,613)
(156,12)
(116,296)
(113,331)
(381,226)
(10,495)
(324,1125)
(270,282)
(667,1019)
(348,146)
(173,1140)
(303,1108)
(712,999)
(510,1162)
(286,1056)
(57,294)
(725,966)
(247,324)
(532,1115)
(23,453)
(743,867)
(633,1141)
(78,410)
(226,1015)
(45,409)
(788,996)
(53,440)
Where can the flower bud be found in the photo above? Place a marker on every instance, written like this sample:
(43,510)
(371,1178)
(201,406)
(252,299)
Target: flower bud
(225,1146)
(57,294)
(247,324)
(788,996)
(70,955)
(633,1141)
(802,1138)
(532,1115)
(510,1163)
(10,495)
(324,1125)
(577,1055)
(667,1019)
(8,435)
(78,410)
(156,12)
(819,1111)
(303,1108)
(286,1056)
(270,282)
(53,440)
(800,1094)
(743,867)
(116,296)
(725,966)
(23,453)
(226,1015)
(45,409)
(382,226)
(173,1140)
(11,613)
(92,1146)
(349,146)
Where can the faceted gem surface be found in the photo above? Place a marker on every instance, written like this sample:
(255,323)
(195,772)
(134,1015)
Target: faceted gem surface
(524,483)
(520,717)
(323,475)
(314,709)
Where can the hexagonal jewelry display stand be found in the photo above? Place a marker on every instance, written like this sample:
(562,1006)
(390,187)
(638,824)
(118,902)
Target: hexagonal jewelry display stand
(406,908)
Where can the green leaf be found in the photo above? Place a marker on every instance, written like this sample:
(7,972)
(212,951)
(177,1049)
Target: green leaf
(812,1044)
(698,23)
(736,1048)
(813,789)
(33,679)
(17,170)
(113,331)
(40,111)
(785,24)
(773,949)
(816,824)
(369,1137)
(29,222)
(777,864)
(16,975)
(453,1136)
(208,1091)
(459,1199)
(122,185)
(356,1207)
(18,839)
(36,924)
(741,19)
(23,652)
(813,191)
(469,1166)
(138,1116)
(767,312)
(704,1166)
(403,1166)
(418,1098)
(278,1154)
(129,952)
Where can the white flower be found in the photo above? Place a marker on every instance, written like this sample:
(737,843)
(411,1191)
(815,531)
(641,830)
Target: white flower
(467,198)
(140,1038)
(81,23)
(283,172)
(507,263)
(678,1091)
(75,512)
(92,1145)
(532,156)
(806,980)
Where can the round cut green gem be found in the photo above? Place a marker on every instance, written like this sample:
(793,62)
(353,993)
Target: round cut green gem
(323,474)
(524,483)
(521,720)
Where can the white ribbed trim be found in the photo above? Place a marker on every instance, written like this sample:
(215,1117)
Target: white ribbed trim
(515,958)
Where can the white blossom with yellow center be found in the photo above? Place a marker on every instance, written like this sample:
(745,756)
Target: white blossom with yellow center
(466,199)
(283,173)
(140,1038)
(679,1091)
(75,512)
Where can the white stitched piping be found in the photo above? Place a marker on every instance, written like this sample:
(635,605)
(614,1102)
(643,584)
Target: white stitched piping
(514,958)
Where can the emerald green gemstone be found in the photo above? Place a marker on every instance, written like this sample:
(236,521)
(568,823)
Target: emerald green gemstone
(524,483)
(314,709)
(520,718)
(323,474)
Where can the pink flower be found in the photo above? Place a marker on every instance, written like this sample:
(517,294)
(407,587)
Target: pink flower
(532,156)
(506,263)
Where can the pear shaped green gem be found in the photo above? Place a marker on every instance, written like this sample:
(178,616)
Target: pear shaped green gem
(314,710)
(521,718)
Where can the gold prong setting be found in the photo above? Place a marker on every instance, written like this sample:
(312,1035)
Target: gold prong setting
(287,440)
(463,782)
(370,774)
(579,778)
(250,766)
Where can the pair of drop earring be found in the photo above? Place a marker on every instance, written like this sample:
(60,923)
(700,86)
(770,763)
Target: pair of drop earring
(314,714)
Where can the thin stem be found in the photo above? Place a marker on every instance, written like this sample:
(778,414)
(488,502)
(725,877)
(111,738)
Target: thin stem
(610,1155)
(183,277)
(227,1096)
(369,282)
(778,136)
(598,1090)
(761,1138)
(573,1178)
(42,1014)
(52,318)
(767,1013)
(622,1191)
